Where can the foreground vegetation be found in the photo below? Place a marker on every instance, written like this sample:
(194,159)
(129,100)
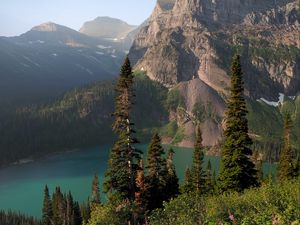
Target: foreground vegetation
(270,204)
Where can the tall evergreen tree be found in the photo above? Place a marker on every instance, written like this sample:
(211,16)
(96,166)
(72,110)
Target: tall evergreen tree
(172,181)
(187,185)
(141,186)
(237,171)
(157,173)
(197,171)
(124,157)
(95,198)
(47,208)
(142,194)
(58,208)
(69,209)
(285,166)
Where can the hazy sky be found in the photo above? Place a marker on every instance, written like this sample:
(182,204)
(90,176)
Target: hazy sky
(19,16)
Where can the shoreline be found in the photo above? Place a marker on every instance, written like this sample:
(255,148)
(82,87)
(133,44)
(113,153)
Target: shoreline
(35,158)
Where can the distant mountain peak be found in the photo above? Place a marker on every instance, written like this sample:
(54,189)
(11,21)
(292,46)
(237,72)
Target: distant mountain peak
(47,27)
(106,27)
(109,19)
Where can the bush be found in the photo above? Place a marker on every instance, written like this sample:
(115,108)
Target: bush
(270,204)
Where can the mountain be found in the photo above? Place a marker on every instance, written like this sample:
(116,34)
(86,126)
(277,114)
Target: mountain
(82,118)
(78,118)
(106,27)
(187,46)
(112,29)
(50,59)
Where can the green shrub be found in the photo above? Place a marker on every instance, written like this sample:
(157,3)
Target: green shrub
(260,206)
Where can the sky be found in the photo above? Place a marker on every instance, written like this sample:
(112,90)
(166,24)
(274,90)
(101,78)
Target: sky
(19,16)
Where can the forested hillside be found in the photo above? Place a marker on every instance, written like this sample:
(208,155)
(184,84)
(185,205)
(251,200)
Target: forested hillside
(79,118)
(82,118)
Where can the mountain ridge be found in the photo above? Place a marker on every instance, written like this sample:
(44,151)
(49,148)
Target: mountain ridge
(195,40)
(107,27)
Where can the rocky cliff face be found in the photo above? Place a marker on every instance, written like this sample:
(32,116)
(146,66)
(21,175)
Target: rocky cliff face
(188,40)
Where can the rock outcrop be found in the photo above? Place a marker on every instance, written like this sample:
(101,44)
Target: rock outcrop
(187,40)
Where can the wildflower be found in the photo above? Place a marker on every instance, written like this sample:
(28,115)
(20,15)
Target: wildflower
(231,217)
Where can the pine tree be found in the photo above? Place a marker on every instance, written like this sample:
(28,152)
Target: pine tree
(237,171)
(124,157)
(140,186)
(58,207)
(95,198)
(172,185)
(197,171)
(47,207)
(285,165)
(141,195)
(157,173)
(187,186)
(69,209)
(209,188)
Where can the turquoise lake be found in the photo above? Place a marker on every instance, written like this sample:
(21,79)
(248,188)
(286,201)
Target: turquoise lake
(21,186)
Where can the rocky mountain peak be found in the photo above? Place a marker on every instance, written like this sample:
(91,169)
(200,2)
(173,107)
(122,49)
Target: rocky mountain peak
(240,11)
(194,35)
(107,27)
(47,27)
(190,46)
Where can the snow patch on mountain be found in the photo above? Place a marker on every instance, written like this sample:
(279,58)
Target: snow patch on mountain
(104,47)
(272,103)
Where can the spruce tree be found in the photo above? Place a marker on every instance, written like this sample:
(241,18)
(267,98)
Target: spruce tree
(172,181)
(69,209)
(197,171)
(285,165)
(141,195)
(187,185)
(47,208)
(237,171)
(95,198)
(58,208)
(124,157)
(157,173)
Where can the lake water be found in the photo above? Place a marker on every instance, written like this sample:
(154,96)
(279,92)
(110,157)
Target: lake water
(21,186)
